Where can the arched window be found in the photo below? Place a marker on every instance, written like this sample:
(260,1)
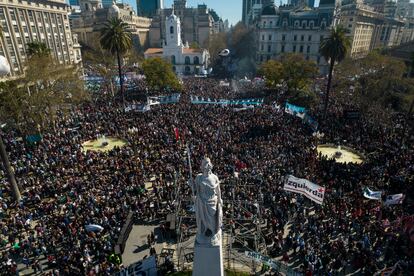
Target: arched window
(171,30)
(196,60)
(187,69)
(296,23)
(323,24)
(311,24)
(173,59)
(187,60)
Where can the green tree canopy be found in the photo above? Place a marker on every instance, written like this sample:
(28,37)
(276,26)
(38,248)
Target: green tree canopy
(297,72)
(272,71)
(115,36)
(33,101)
(377,80)
(159,74)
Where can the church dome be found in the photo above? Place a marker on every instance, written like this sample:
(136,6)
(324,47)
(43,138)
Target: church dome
(269,10)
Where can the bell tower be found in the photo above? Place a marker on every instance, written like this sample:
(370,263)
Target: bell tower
(173,30)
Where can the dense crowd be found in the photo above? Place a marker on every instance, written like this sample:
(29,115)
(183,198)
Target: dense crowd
(66,188)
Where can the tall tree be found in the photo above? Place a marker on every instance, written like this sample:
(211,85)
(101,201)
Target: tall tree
(159,74)
(334,49)
(116,38)
(272,71)
(297,72)
(33,101)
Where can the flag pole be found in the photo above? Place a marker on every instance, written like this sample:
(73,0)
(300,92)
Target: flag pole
(190,168)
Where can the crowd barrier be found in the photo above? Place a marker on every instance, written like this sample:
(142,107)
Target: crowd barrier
(125,231)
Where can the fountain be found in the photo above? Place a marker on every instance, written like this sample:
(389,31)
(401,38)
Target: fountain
(340,154)
(103,143)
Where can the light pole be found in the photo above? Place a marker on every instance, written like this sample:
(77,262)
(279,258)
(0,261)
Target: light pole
(4,70)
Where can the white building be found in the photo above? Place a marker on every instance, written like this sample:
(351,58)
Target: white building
(25,21)
(289,29)
(184,59)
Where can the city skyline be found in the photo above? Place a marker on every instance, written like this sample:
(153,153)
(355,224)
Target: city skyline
(225,9)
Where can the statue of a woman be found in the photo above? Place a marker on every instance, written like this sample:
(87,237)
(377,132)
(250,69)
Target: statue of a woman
(208,205)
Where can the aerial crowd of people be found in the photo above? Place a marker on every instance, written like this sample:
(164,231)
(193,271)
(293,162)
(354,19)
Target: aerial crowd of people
(65,188)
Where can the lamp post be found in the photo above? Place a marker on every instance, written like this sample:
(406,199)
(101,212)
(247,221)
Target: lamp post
(4,70)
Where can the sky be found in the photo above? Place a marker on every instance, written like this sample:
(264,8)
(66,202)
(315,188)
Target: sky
(226,9)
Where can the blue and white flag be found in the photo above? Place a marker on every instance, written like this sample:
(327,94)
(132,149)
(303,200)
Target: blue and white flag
(394,199)
(376,195)
(294,109)
(246,102)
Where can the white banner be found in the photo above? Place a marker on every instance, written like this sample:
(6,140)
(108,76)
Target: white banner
(276,265)
(261,259)
(394,199)
(376,195)
(145,267)
(302,186)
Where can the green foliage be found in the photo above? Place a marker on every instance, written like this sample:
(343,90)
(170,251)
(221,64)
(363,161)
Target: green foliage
(294,72)
(297,72)
(378,80)
(194,45)
(336,45)
(334,49)
(272,71)
(31,103)
(159,74)
(37,48)
(115,36)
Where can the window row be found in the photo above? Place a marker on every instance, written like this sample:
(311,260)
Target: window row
(187,60)
(295,37)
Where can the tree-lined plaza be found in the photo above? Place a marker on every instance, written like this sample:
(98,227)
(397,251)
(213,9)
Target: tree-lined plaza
(66,193)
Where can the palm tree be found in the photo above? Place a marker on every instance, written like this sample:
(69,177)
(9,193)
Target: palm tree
(116,38)
(334,49)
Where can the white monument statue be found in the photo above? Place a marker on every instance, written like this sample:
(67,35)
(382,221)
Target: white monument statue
(208,259)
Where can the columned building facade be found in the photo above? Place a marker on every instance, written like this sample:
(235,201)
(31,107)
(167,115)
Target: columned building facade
(294,30)
(43,21)
(88,22)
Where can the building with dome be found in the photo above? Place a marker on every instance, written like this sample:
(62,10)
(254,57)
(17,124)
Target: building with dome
(184,59)
(289,29)
(90,19)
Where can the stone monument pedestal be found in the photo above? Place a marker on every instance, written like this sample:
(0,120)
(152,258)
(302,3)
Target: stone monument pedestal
(208,260)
